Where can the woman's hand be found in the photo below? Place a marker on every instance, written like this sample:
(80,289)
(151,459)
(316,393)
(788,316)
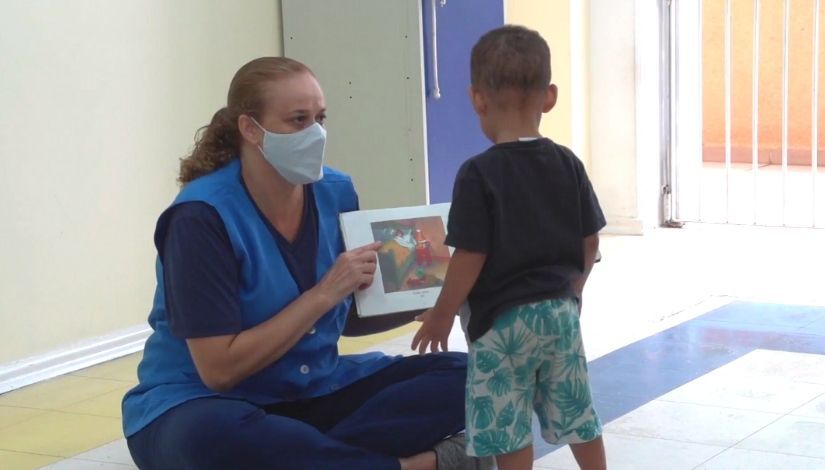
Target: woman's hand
(352,270)
(223,361)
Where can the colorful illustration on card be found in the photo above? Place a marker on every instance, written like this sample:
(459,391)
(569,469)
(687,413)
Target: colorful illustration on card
(413,255)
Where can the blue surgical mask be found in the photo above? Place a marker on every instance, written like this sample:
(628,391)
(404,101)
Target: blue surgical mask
(298,157)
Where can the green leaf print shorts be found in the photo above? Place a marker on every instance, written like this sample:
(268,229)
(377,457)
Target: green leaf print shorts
(532,359)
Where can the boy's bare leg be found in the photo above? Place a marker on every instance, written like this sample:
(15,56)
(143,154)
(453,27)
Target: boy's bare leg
(590,455)
(518,460)
(422,461)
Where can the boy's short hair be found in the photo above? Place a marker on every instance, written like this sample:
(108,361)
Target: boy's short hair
(510,57)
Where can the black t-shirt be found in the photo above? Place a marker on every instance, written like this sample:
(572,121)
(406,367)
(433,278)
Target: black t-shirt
(527,205)
(201,274)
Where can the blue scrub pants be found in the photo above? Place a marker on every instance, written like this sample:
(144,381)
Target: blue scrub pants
(402,410)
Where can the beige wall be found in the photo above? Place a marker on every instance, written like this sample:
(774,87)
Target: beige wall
(564,25)
(614,169)
(552,20)
(99,100)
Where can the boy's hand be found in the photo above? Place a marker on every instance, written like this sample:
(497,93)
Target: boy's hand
(434,332)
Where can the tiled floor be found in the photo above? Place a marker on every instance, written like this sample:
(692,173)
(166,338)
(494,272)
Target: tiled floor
(677,389)
(73,422)
(755,412)
(63,417)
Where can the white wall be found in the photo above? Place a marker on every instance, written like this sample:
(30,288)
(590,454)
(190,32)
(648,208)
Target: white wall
(649,95)
(613,110)
(98,100)
(624,119)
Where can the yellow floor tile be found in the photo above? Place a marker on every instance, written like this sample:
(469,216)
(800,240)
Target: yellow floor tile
(356,344)
(351,346)
(61,434)
(10,415)
(59,392)
(107,404)
(124,369)
(23,461)
(388,335)
(89,404)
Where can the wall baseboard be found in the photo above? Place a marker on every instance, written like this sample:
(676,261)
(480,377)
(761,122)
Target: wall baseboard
(623,226)
(88,353)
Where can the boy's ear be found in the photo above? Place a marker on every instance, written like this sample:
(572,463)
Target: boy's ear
(477,99)
(550,98)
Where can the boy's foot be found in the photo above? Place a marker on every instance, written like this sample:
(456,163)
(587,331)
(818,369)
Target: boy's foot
(451,454)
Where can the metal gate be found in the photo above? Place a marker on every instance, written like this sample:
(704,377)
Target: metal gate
(742,112)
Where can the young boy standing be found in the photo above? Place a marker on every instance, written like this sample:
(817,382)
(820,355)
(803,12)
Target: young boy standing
(524,222)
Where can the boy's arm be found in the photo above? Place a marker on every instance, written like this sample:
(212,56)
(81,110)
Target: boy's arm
(591,248)
(462,273)
(464,269)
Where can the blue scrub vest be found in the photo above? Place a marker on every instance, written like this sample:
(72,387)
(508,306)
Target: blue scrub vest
(312,368)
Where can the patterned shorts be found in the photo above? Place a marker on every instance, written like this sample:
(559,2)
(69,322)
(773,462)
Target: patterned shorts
(532,359)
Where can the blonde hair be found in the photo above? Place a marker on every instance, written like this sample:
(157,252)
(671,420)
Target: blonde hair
(218,143)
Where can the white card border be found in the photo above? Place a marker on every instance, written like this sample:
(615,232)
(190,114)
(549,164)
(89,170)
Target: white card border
(357,231)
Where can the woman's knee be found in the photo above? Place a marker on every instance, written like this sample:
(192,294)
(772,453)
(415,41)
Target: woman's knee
(196,434)
(452,359)
(440,361)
